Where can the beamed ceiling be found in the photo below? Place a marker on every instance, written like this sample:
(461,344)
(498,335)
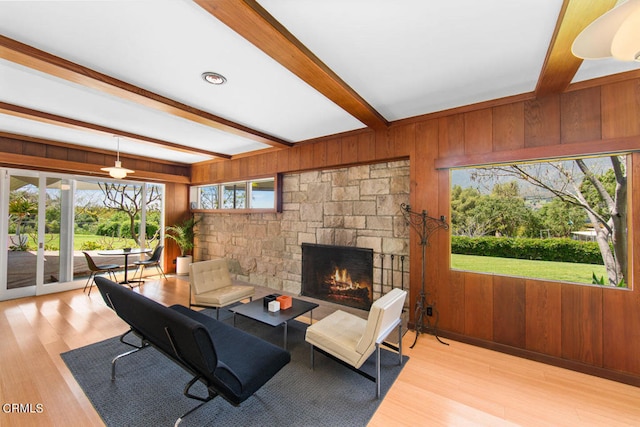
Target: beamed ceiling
(79,72)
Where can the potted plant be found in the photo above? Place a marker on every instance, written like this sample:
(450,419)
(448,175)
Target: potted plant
(183,234)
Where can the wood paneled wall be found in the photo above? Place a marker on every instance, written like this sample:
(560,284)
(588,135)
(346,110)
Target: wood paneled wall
(586,328)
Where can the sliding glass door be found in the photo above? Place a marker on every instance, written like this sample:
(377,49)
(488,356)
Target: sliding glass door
(48,220)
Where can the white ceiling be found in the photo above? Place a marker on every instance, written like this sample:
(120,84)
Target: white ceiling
(405,58)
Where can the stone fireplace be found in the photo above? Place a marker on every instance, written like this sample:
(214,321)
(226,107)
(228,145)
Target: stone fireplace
(356,207)
(339,274)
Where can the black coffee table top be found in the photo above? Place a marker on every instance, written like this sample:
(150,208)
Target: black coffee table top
(257,311)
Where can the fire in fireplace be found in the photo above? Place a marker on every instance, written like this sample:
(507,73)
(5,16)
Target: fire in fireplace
(339,274)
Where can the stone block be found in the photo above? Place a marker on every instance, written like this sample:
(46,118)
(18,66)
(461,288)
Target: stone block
(395,246)
(364,207)
(370,242)
(374,186)
(355,222)
(306,238)
(311,212)
(338,208)
(345,193)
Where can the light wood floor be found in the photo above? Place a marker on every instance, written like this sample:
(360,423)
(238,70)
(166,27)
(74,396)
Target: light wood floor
(440,385)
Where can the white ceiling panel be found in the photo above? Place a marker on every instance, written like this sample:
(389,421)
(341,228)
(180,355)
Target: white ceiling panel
(164,47)
(35,90)
(47,131)
(414,56)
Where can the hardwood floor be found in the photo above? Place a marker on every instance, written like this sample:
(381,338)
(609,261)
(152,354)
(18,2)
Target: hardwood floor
(440,385)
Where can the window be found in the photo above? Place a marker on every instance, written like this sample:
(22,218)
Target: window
(563,220)
(255,194)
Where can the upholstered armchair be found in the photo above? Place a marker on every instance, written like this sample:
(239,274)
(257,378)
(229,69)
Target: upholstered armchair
(211,286)
(350,340)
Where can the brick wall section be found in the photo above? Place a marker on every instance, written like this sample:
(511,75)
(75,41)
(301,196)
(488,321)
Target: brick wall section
(357,206)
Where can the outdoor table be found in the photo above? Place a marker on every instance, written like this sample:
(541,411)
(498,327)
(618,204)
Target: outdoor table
(125,253)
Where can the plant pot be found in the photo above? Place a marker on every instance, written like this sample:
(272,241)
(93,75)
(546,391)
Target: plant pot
(182,264)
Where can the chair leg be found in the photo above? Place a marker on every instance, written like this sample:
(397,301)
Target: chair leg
(312,357)
(87,284)
(138,267)
(217,313)
(400,342)
(377,371)
(161,271)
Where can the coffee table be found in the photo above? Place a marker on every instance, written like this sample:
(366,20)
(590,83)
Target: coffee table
(257,311)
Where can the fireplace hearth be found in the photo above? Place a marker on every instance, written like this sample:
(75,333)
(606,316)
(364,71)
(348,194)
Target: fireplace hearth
(340,274)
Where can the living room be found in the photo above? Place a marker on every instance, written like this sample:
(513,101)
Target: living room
(588,330)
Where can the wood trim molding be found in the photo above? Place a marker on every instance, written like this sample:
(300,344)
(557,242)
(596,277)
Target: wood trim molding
(598,147)
(69,146)
(66,166)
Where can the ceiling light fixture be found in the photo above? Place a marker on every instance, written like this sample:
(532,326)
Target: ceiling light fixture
(214,78)
(614,34)
(117,171)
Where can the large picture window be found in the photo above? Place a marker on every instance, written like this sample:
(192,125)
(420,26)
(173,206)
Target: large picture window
(563,220)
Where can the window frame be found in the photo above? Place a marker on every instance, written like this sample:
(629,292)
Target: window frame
(246,185)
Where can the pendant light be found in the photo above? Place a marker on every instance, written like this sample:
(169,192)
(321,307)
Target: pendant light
(117,171)
(615,34)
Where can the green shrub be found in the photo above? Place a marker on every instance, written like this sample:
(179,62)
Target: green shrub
(559,250)
(90,245)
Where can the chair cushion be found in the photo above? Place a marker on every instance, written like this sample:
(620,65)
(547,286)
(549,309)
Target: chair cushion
(209,275)
(338,334)
(224,296)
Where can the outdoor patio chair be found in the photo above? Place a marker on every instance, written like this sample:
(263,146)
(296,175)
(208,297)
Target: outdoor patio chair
(97,269)
(350,339)
(153,261)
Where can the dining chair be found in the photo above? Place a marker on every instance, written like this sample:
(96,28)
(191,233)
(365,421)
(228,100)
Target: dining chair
(97,269)
(153,261)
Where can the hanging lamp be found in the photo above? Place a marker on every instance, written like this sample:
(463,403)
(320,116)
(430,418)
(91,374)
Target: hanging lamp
(615,34)
(117,171)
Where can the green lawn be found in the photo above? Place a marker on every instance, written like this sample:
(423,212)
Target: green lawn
(52,242)
(546,270)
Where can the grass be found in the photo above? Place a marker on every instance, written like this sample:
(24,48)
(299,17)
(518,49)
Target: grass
(52,242)
(546,270)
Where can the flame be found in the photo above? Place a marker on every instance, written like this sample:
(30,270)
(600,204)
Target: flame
(342,278)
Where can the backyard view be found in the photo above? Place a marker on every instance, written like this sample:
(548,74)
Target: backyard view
(105,216)
(562,220)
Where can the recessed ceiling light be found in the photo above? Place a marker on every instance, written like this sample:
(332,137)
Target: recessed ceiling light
(214,78)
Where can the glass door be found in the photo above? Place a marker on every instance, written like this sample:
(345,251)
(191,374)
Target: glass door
(19,234)
(55,240)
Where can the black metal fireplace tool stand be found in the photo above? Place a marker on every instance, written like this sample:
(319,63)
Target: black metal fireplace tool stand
(425,226)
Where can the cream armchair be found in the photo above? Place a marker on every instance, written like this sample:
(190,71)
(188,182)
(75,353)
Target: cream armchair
(211,285)
(350,339)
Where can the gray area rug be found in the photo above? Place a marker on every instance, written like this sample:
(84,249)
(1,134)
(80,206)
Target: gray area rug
(148,387)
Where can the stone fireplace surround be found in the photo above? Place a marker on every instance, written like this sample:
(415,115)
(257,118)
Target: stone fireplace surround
(356,206)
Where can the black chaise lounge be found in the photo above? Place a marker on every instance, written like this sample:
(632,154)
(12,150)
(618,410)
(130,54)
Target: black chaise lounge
(229,362)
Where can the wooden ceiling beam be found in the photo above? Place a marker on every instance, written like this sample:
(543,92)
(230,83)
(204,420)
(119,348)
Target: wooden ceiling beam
(28,113)
(28,56)
(560,66)
(255,24)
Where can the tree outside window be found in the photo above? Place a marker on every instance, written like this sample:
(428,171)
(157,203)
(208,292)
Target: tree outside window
(567,211)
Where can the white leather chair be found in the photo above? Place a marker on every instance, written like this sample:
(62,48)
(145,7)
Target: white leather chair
(350,339)
(211,285)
